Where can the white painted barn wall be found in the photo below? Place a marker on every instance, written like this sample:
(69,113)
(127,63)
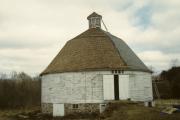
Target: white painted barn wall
(73,87)
(141,86)
(87,87)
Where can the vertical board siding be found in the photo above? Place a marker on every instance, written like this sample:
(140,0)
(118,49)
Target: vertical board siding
(108,87)
(58,110)
(124,87)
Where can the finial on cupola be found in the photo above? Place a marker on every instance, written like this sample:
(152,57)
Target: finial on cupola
(94,20)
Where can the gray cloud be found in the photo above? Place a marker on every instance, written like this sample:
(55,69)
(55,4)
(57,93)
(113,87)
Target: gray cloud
(33,31)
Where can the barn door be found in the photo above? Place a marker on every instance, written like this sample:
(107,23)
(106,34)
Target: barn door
(108,87)
(124,87)
(58,110)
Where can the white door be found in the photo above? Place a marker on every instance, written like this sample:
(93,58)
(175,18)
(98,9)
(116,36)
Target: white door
(123,87)
(58,110)
(108,87)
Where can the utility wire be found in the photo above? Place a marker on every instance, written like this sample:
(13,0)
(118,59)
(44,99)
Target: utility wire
(104,25)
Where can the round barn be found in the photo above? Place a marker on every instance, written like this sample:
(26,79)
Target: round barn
(91,70)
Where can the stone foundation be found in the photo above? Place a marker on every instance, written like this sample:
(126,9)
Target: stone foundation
(82,108)
(47,108)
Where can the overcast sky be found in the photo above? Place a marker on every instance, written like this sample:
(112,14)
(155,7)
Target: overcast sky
(32,32)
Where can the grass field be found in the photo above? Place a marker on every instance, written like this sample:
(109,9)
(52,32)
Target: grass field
(115,111)
(132,111)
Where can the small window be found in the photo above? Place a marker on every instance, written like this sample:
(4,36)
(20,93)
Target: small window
(93,21)
(97,21)
(103,105)
(75,106)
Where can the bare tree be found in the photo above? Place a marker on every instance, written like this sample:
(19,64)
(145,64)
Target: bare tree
(3,76)
(19,90)
(174,62)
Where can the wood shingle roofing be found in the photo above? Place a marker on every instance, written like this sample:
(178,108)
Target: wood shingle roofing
(95,50)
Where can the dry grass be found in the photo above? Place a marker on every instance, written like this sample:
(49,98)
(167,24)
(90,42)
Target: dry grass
(165,103)
(133,111)
(115,111)
(14,112)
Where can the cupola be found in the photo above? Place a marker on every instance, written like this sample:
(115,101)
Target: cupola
(94,20)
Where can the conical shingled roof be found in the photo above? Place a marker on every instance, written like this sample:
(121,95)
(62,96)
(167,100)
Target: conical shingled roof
(95,50)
